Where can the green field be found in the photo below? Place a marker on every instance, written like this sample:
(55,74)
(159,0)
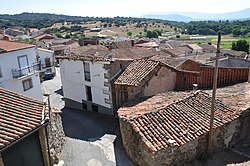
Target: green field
(226,40)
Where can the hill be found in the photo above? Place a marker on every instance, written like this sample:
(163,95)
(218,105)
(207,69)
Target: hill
(187,16)
(43,20)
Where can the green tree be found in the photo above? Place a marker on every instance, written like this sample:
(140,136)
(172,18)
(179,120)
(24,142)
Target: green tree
(129,33)
(241,45)
(151,34)
(236,32)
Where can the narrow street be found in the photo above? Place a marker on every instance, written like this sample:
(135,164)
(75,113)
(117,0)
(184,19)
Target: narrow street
(92,139)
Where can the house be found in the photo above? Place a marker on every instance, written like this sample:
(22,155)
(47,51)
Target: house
(195,48)
(23,138)
(63,42)
(170,44)
(87,41)
(122,44)
(87,71)
(178,51)
(19,69)
(147,77)
(207,48)
(43,36)
(47,60)
(172,128)
(139,78)
(14,31)
(85,82)
(151,44)
(232,63)
(234,54)
(60,50)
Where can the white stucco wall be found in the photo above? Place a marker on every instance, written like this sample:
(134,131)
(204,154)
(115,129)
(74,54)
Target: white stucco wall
(9,61)
(164,81)
(73,82)
(43,53)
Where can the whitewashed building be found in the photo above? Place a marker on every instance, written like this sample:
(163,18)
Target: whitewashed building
(19,70)
(47,60)
(85,85)
(87,72)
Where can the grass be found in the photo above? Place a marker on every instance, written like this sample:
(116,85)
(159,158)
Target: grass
(226,40)
(122,30)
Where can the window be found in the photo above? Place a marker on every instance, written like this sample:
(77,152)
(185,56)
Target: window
(86,71)
(23,61)
(27,84)
(47,62)
(88,93)
(1,74)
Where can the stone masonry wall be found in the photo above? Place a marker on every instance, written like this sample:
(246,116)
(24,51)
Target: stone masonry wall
(1,160)
(56,135)
(223,137)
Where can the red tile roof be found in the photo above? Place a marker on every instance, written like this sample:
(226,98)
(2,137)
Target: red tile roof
(174,124)
(178,51)
(44,36)
(133,53)
(19,115)
(12,46)
(136,71)
(101,53)
(123,44)
(236,96)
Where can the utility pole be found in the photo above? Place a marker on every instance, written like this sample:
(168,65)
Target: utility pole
(210,142)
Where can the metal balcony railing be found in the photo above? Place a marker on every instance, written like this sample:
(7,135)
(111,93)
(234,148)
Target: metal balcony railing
(16,73)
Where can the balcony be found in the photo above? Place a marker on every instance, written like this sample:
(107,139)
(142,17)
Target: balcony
(17,73)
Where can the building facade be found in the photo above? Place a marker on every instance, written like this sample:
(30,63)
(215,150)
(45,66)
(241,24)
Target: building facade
(19,70)
(47,60)
(86,85)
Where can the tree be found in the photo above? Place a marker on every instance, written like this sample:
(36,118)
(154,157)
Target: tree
(129,33)
(151,34)
(241,45)
(236,32)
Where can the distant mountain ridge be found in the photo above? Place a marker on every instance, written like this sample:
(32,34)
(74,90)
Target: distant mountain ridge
(189,16)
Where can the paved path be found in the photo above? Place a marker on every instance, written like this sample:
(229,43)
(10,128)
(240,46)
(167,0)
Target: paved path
(92,139)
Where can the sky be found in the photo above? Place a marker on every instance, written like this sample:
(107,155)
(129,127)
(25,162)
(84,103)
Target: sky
(112,8)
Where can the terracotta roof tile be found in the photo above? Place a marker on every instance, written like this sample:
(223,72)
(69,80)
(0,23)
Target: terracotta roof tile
(174,123)
(177,51)
(135,72)
(12,46)
(123,44)
(133,53)
(19,115)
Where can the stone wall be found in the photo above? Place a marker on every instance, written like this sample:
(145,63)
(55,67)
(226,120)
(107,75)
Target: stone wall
(224,137)
(56,135)
(1,160)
